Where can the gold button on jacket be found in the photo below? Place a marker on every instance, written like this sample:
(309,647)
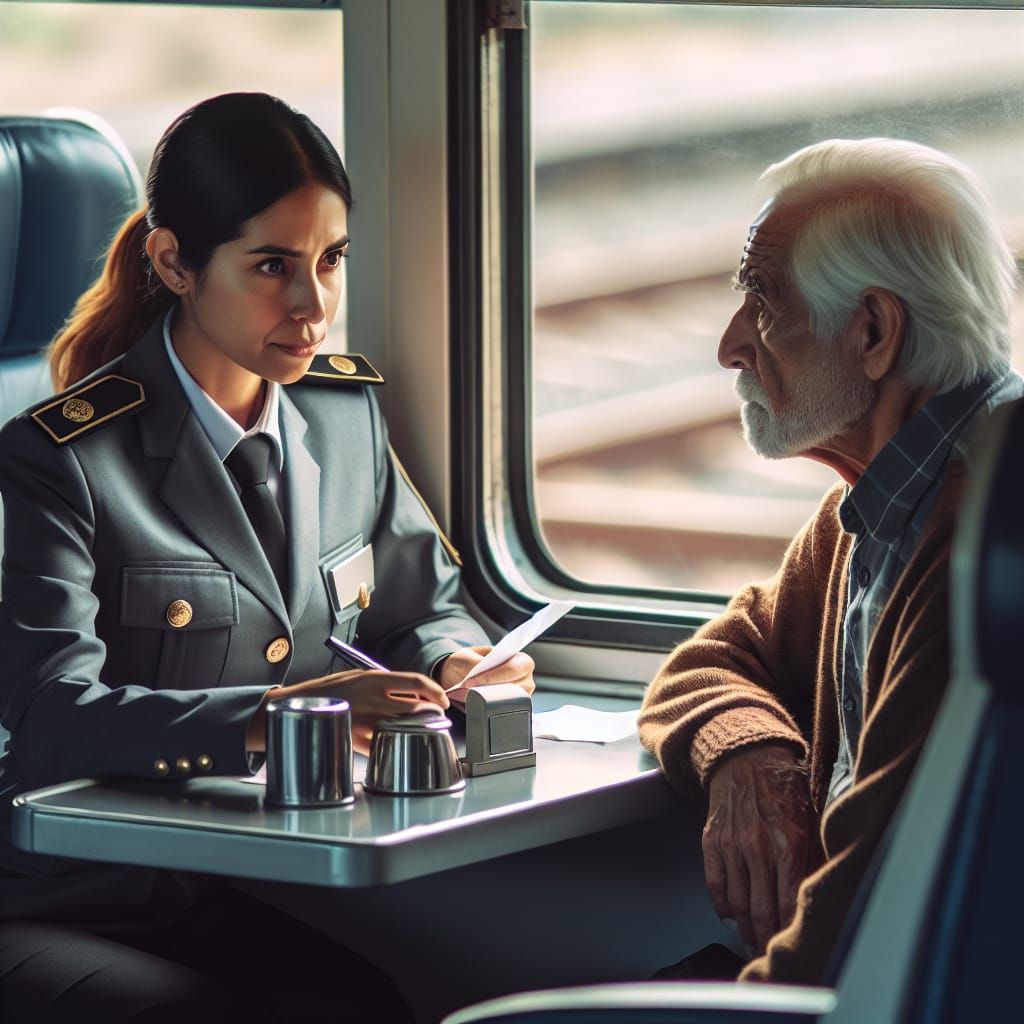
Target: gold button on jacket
(183,766)
(277,650)
(179,613)
(161,767)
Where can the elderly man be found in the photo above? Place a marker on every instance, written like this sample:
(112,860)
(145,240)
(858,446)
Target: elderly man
(873,337)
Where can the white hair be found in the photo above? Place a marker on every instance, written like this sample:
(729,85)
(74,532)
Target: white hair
(884,213)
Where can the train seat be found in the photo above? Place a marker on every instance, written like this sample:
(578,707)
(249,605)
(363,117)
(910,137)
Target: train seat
(66,184)
(936,939)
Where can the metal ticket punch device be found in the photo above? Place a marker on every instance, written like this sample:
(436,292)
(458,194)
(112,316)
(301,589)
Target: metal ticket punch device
(499,730)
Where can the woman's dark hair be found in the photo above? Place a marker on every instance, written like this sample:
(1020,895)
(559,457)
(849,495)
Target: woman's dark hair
(219,164)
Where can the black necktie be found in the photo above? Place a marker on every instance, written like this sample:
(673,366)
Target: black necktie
(248,463)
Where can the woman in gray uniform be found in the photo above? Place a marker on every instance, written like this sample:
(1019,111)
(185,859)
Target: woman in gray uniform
(203,504)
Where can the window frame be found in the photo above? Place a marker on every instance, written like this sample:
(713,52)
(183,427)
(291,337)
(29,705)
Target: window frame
(510,570)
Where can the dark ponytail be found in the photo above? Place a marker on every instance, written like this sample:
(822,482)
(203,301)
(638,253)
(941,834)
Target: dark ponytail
(219,164)
(111,315)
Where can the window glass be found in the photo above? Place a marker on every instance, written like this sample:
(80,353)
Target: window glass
(137,66)
(650,126)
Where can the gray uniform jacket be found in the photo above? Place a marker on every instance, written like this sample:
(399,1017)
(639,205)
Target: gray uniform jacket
(107,534)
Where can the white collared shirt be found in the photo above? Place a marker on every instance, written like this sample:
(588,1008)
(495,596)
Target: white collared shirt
(224,433)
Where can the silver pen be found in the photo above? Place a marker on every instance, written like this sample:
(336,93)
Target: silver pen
(352,655)
(357,659)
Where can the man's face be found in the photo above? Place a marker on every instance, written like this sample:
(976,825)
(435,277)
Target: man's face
(799,393)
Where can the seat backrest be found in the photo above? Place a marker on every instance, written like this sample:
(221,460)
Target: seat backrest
(969,972)
(66,184)
(937,942)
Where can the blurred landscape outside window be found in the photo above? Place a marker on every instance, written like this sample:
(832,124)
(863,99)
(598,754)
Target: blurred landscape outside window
(650,126)
(138,66)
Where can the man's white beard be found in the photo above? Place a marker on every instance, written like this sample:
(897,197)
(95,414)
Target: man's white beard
(821,405)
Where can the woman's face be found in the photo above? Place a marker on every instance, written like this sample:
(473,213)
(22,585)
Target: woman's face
(263,305)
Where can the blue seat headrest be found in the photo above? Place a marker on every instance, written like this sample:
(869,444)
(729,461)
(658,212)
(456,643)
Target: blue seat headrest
(65,188)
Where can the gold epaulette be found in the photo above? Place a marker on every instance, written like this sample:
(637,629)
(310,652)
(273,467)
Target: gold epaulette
(349,368)
(77,412)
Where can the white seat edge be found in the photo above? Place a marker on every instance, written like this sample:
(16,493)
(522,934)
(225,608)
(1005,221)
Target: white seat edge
(685,995)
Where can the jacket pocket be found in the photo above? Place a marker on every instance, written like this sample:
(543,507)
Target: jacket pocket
(191,607)
(347,573)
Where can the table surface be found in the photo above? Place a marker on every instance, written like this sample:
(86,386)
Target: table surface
(223,826)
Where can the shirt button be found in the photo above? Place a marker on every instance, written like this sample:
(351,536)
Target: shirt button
(277,650)
(849,704)
(864,575)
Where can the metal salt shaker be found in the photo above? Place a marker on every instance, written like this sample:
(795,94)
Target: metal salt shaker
(309,752)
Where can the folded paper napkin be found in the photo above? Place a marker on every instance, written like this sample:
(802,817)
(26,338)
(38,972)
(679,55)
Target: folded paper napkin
(572,722)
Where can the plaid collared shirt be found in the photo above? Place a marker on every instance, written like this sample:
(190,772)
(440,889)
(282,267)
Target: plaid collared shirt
(886,512)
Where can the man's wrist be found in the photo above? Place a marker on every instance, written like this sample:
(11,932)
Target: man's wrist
(736,730)
(755,757)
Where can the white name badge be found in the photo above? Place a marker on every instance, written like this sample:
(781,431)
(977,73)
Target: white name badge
(352,579)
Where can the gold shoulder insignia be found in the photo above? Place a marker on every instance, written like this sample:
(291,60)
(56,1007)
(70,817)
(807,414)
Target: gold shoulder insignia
(349,368)
(76,412)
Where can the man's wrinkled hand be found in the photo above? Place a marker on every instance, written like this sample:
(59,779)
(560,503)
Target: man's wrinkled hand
(760,835)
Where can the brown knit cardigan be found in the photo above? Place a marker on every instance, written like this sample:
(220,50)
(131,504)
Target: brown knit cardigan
(767,670)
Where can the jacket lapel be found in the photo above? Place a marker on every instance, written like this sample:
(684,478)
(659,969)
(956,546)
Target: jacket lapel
(302,515)
(195,486)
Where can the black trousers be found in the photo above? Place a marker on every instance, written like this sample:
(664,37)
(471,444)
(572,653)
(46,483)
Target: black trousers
(230,958)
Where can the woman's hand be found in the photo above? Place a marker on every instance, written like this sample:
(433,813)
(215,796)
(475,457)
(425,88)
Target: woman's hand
(377,695)
(372,695)
(518,669)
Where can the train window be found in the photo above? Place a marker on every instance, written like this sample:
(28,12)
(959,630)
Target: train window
(648,125)
(137,66)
